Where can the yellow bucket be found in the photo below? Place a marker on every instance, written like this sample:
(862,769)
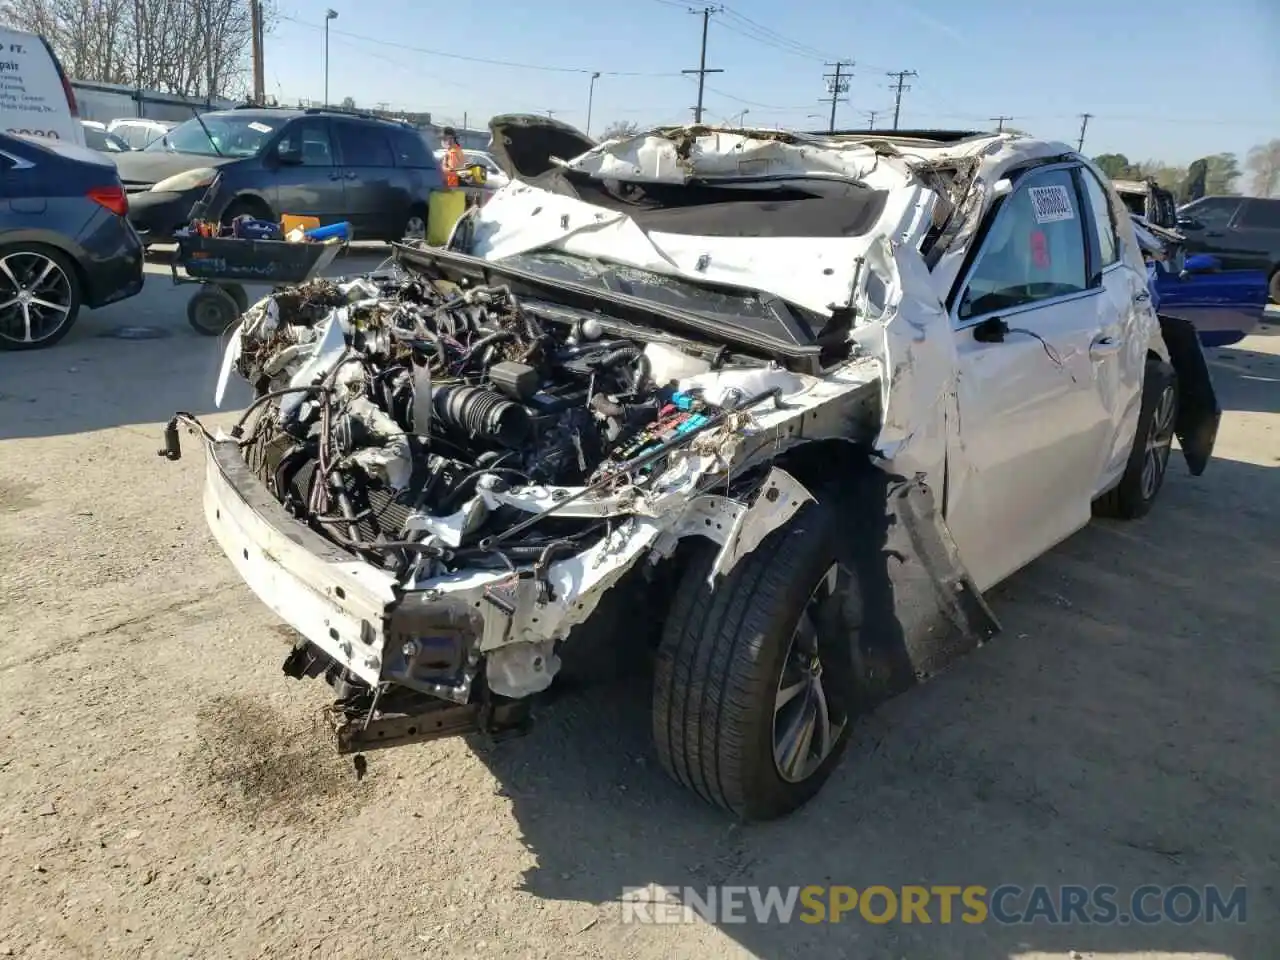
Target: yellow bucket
(444,207)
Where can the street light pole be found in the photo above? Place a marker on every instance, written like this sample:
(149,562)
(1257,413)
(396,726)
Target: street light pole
(591,94)
(328,15)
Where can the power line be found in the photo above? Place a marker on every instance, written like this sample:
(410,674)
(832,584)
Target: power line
(703,69)
(836,84)
(900,89)
(489,61)
(1000,121)
(1084,125)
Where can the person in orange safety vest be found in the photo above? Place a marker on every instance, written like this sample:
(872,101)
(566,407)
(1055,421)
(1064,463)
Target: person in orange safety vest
(454,159)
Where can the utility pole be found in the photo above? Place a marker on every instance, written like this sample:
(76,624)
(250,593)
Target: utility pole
(837,83)
(591,95)
(871,117)
(1000,121)
(259,82)
(703,69)
(901,88)
(1084,125)
(328,15)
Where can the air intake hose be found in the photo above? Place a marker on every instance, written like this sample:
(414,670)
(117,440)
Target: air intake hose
(481,414)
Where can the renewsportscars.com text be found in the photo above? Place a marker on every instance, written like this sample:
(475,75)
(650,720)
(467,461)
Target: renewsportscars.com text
(938,904)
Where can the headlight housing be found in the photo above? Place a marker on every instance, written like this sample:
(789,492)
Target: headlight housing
(187,180)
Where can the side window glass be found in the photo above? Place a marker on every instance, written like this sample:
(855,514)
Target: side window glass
(1104,227)
(363,145)
(1033,251)
(311,137)
(410,150)
(1261,214)
(1213,214)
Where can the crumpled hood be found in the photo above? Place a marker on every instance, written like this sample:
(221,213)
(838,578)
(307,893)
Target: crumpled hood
(142,166)
(818,273)
(524,143)
(684,153)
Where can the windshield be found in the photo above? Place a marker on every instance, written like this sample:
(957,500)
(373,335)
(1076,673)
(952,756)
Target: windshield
(234,135)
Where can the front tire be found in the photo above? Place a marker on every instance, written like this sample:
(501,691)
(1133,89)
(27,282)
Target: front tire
(753,691)
(1273,288)
(246,205)
(1135,494)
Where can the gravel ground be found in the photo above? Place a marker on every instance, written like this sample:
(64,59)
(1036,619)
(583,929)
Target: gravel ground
(165,792)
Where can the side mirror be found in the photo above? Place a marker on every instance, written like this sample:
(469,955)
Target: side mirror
(991,330)
(1201,263)
(288,156)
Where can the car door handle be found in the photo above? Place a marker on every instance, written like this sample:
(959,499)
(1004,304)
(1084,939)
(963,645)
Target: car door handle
(335,175)
(1104,347)
(351,175)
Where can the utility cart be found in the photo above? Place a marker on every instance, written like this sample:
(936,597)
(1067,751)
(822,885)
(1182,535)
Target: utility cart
(222,265)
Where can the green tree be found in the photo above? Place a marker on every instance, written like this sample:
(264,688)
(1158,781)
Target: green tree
(1224,170)
(1167,175)
(1263,164)
(1116,166)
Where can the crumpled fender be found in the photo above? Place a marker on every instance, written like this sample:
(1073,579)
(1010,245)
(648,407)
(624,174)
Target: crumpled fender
(1199,413)
(920,608)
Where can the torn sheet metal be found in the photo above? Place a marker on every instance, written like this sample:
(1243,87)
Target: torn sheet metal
(779,499)
(678,156)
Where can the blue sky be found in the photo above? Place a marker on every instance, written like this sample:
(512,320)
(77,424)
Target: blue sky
(1169,80)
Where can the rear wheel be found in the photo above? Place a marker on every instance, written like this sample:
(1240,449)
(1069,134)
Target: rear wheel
(1274,286)
(1144,474)
(40,297)
(753,691)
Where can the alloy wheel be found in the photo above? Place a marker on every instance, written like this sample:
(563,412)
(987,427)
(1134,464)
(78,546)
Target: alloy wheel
(806,722)
(36,297)
(1159,442)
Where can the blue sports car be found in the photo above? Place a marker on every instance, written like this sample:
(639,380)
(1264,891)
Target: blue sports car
(1223,306)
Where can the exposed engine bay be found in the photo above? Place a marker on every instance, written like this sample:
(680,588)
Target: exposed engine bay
(420,409)
(494,463)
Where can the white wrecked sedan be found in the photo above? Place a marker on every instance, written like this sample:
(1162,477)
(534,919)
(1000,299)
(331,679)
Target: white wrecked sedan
(774,409)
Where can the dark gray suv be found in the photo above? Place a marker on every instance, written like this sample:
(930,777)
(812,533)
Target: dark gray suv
(374,173)
(1242,232)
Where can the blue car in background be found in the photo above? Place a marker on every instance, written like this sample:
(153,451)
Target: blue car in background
(1223,305)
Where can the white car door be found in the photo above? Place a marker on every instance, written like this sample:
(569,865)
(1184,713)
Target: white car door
(1032,353)
(1120,353)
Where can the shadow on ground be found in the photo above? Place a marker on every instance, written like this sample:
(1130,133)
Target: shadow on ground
(1247,380)
(93,380)
(1121,730)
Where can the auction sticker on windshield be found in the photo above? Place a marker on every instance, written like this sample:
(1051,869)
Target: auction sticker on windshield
(260,127)
(1051,204)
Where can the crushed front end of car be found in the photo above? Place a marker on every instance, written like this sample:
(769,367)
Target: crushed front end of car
(448,466)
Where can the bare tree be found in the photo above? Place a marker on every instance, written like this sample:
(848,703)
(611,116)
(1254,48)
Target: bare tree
(196,48)
(1264,164)
(620,128)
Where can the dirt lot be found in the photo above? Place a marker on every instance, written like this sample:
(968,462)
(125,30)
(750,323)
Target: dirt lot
(165,792)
